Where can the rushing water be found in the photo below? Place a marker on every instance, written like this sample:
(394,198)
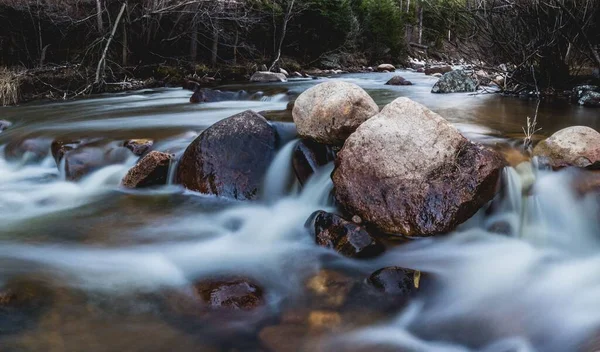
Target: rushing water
(103,261)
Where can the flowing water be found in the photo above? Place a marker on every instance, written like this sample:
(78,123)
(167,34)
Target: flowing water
(102,267)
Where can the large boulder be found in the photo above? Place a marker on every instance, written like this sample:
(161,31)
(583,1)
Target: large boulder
(331,231)
(398,81)
(151,170)
(590,98)
(572,146)
(455,82)
(266,77)
(230,158)
(386,67)
(329,112)
(408,171)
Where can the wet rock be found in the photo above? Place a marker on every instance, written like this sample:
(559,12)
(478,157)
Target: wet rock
(398,81)
(230,158)
(438,75)
(393,280)
(500,227)
(4,124)
(33,149)
(309,156)
(408,171)
(437,69)
(572,146)
(330,288)
(349,239)
(266,77)
(151,170)
(455,82)
(329,112)
(230,293)
(83,161)
(205,95)
(579,91)
(297,74)
(591,99)
(284,72)
(139,147)
(386,67)
(21,303)
(60,147)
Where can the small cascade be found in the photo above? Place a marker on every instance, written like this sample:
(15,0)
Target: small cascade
(280,175)
(318,189)
(172,171)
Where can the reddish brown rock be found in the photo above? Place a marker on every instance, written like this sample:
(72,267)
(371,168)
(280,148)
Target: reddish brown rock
(151,170)
(232,293)
(349,239)
(230,158)
(36,149)
(329,288)
(408,171)
(139,147)
(308,156)
(83,161)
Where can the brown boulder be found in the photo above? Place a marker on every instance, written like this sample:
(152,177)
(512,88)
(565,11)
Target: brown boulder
(139,147)
(308,156)
(35,149)
(83,161)
(349,239)
(151,170)
(398,81)
(230,158)
(230,293)
(408,171)
(572,146)
(329,112)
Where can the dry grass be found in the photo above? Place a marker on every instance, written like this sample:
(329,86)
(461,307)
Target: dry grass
(9,87)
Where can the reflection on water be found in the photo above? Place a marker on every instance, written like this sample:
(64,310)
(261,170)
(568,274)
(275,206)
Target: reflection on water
(111,263)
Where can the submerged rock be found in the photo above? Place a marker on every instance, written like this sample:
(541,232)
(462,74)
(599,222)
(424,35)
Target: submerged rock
(398,81)
(33,149)
(309,156)
(151,170)
(230,158)
(266,77)
(349,239)
(329,112)
(83,161)
(455,82)
(408,171)
(139,147)
(4,124)
(437,69)
(572,146)
(386,67)
(230,293)
(393,280)
(205,95)
(330,288)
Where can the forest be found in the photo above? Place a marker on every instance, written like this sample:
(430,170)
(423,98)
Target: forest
(73,47)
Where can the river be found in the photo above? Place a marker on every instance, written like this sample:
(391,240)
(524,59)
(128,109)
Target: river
(102,267)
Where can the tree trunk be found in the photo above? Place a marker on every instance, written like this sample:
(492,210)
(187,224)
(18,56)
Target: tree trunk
(99,16)
(194,41)
(215,44)
(125,44)
(235,45)
(420,11)
(100,70)
(286,19)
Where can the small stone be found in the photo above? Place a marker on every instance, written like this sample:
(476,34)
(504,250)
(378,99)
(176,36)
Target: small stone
(232,293)
(139,147)
(393,280)
(4,124)
(151,170)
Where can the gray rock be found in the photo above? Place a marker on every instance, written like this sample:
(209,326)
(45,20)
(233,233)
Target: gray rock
(4,124)
(329,112)
(386,67)
(398,81)
(266,77)
(572,146)
(408,171)
(591,99)
(455,82)
(579,91)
